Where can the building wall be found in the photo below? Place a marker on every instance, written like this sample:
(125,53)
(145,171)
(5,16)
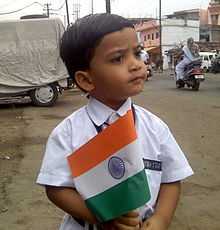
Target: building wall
(203,16)
(216,35)
(175,31)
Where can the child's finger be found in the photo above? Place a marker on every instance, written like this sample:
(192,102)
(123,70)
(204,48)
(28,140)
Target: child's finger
(132,214)
(129,220)
(120,226)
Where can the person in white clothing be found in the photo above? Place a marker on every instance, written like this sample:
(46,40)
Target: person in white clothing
(190,53)
(145,56)
(102,55)
(146,59)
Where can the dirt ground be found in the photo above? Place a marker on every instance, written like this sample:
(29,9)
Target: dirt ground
(194,118)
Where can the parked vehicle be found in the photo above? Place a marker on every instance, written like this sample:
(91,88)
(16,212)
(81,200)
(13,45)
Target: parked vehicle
(30,64)
(193,75)
(215,68)
(207,58)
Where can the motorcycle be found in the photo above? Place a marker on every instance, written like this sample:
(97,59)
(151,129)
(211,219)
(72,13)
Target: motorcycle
(192,76)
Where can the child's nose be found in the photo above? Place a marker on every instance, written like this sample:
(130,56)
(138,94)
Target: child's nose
(135,63)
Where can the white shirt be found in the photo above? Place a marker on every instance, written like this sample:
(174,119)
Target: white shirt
(159,149)
(188,54)
(144,55)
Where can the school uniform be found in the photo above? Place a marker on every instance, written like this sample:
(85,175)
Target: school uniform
(163,159)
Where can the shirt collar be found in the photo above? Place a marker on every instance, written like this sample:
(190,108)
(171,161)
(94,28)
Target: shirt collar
(99,112)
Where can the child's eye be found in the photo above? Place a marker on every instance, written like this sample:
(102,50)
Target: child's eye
(117,59)
(138,54)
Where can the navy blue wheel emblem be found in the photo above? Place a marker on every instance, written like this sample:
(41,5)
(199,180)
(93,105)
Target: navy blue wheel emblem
(116,167)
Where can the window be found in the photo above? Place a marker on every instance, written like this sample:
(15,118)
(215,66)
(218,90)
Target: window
(145,38)
(152,36)
(214,19)
(157,35)
(206,58)
(204,37)
(148,36)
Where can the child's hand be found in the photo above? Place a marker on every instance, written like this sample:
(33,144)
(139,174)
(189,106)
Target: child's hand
(155,222)
(129,221)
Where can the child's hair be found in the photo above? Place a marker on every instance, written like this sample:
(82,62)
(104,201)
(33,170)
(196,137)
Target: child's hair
(81,38)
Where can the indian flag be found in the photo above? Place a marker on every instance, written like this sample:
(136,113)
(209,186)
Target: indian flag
(109,172)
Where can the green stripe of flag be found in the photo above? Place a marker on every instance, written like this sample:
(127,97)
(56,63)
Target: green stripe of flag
(120,199)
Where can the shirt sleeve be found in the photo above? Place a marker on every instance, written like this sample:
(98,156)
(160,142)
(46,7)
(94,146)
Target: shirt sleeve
(55,170)
(175,166)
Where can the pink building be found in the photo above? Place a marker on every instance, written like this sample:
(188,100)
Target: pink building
(210,23)
(149,36)
(214,13)
(149,33)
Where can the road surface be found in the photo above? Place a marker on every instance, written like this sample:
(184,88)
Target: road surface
(193,117)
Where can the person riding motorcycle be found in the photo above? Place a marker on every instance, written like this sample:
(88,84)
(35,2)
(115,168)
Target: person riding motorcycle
(190,53)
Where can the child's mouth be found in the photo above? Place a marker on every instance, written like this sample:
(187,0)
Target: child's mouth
(138,78)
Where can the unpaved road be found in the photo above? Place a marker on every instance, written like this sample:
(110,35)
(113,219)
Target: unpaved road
(194,118)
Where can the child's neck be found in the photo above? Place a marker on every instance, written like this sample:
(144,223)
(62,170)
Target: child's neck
(114,104)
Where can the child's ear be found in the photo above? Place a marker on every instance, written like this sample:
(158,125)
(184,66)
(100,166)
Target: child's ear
(84,80)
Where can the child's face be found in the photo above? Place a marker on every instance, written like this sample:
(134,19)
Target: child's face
(116,69)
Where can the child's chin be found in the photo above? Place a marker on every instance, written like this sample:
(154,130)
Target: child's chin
(139,89)
(136,92)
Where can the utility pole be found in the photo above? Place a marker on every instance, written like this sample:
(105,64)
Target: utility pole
(76,10)
(47,6)
(108,6)
(67,13)
(160,28)
(92,7)
(48,10)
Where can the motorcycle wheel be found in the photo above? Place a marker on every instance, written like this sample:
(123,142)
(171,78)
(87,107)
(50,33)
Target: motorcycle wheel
(196,84)
(180,84)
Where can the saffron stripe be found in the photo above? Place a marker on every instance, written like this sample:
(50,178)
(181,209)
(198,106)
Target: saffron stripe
(114,137)
(120,199)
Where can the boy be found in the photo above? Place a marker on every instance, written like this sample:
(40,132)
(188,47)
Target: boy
(102,55)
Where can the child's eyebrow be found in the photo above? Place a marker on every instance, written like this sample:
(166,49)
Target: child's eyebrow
(116,50)
(122,50)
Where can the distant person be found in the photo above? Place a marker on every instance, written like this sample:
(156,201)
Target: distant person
(146,59)
(190,53)
(102,55)
(159,63)
(144,56)
(169,60)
